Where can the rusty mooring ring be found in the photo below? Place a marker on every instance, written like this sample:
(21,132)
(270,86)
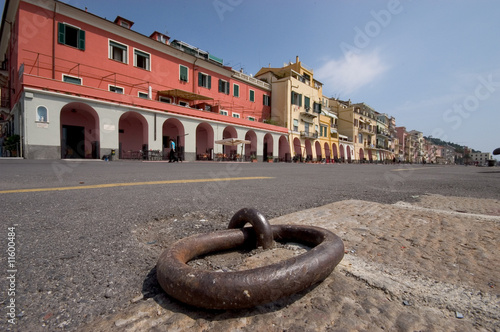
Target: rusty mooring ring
(244,289)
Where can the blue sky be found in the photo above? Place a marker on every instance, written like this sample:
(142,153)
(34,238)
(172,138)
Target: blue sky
(433,65)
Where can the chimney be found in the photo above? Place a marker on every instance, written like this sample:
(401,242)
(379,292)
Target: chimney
(297,59)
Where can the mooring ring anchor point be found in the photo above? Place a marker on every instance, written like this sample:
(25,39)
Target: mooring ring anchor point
(259,223)
(248,288)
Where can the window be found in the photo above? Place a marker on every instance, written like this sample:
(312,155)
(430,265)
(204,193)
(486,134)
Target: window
(72,79)
(307,103)
(183,73)
(118,51)
(266,100)
(42,114)
(251,118)
(296,99)
(205,80)
(360,139)
(116,89)
(142,59)
(306,127)
(71,36)
(316,108)
(143,95)
(236,115)
(236,90)
(252,95)
(295,125)
(223,112)
(183,103)
(323,130)
(223,86)
(165,99)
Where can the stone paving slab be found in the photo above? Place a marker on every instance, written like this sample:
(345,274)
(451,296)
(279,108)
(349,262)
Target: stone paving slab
(406,268)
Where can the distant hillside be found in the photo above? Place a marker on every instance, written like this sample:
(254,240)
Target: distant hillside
(458,148)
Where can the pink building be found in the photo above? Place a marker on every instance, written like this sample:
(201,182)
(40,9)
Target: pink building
(75,85)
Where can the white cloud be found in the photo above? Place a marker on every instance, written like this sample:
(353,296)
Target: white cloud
(350,73)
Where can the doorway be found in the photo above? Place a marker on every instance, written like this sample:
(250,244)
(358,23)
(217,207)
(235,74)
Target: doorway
(73,142)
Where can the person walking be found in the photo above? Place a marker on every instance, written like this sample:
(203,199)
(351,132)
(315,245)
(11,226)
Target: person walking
(172,156)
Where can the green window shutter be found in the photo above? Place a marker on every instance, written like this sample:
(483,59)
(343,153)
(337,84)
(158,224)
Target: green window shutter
(220,86)
(61,33)
(200,79)
(307,102)
(236,90)
(183,73)
(81,40)
(300,100)
(209,82)
(252,95)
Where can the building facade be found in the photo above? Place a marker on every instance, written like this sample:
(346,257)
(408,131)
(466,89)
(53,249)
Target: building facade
(76,85)
(480,158)
(296,105)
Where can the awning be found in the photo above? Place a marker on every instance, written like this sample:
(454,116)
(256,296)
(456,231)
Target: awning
(177,93)
(233,141)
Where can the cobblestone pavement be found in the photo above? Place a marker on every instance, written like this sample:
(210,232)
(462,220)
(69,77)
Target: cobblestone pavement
(428,265)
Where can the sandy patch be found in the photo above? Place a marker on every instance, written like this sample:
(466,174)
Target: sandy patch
(404,269)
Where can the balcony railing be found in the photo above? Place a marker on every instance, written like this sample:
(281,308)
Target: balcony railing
(366,130)
(251,80)
(307,134)
(308,112)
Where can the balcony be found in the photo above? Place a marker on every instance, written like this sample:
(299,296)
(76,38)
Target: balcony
(365,130)
(251,80)
(307,134)
(308,113)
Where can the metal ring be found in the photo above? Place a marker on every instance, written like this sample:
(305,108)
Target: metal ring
(244,289)
(258,222)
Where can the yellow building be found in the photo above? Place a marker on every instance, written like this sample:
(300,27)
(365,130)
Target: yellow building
(297,105)
(359,123)
(328,134)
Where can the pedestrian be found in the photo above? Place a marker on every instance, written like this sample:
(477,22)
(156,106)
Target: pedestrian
(172,157)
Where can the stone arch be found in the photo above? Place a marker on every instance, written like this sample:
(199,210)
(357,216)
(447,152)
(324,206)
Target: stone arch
(284,149)
(319,154)
(132,135)
(267,147)
(204,141)
(250,149)
(334,148)
(80,135)
(173,129)
(361,155)
(297,149)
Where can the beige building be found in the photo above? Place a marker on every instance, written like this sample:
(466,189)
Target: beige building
(359,122)
(297,105)
(480,158)
(383,138)
(418,145)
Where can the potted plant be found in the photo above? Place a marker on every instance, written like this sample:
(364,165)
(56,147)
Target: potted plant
(269,159)
(253,158)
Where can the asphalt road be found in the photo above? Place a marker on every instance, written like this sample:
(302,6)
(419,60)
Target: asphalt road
(75,259)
